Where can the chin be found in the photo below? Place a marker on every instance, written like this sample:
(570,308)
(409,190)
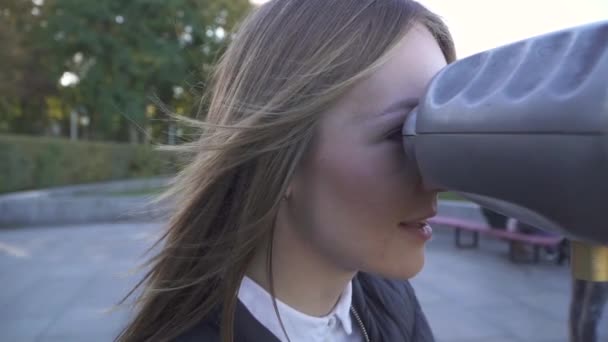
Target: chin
(405,268)
(411,268)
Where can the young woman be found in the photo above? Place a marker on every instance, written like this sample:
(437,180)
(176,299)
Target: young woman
(299,218)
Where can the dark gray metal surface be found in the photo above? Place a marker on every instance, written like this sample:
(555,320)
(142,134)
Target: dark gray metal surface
(523,129)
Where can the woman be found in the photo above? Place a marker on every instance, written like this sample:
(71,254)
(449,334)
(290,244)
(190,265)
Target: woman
(298,218)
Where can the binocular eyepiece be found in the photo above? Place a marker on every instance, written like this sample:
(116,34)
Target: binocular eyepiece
(522,129)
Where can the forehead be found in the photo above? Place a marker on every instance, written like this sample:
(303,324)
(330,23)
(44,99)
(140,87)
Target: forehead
(406,74)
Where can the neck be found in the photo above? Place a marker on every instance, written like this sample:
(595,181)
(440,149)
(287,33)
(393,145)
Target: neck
(302,277)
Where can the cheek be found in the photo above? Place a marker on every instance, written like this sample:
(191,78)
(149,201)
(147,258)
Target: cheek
(350,178)
(359,200)
(370,186)
(348,201)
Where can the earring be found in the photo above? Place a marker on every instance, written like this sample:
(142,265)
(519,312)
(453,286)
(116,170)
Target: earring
(287,194)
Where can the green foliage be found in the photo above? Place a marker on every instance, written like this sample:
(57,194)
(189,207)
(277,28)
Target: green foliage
(24,82)
(451,196)
(31,163)
(123,52)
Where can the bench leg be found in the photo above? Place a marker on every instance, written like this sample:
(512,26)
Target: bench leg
(562,250)
(536,254)
(514,258)
(473,244)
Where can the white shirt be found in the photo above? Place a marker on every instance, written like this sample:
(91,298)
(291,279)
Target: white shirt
(337,326)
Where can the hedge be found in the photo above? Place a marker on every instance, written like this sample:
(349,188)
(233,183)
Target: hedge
(30,162)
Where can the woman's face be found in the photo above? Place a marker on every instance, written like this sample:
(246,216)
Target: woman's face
(355,187)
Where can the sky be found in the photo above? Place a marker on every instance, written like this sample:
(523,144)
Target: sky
(478,25)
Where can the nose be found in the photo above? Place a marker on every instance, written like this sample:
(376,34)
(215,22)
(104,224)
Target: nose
(429,187)
(434,189)
(430,198)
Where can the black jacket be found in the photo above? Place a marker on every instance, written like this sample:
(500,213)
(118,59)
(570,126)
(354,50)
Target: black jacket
(388,308)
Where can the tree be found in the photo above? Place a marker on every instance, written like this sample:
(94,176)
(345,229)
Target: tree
(23,80)
(112,56)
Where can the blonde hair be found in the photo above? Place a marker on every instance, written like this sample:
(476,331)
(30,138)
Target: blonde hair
(287,63)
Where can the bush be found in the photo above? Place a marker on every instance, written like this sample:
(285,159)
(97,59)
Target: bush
(29,162)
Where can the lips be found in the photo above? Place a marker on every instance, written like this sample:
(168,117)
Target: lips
(414,225)
(420,229)
(418,221)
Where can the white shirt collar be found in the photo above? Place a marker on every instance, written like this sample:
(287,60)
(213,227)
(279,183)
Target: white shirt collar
(299,326)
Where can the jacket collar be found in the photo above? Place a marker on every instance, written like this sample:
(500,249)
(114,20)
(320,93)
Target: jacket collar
(299,326)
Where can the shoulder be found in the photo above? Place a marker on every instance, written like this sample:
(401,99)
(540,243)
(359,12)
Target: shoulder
(246,328)
(387,290)
(393,307)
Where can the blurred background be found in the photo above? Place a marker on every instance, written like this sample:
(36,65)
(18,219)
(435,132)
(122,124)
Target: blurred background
(96,71)
(85,88)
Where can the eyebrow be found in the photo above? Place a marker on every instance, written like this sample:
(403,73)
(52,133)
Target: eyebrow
(408,103)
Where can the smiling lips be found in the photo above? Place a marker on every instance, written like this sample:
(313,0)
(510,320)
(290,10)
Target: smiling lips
(421,229)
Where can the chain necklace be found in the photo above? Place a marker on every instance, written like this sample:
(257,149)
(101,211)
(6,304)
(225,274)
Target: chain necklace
(358,318)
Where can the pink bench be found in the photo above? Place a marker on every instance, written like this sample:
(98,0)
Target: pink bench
(537,241)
